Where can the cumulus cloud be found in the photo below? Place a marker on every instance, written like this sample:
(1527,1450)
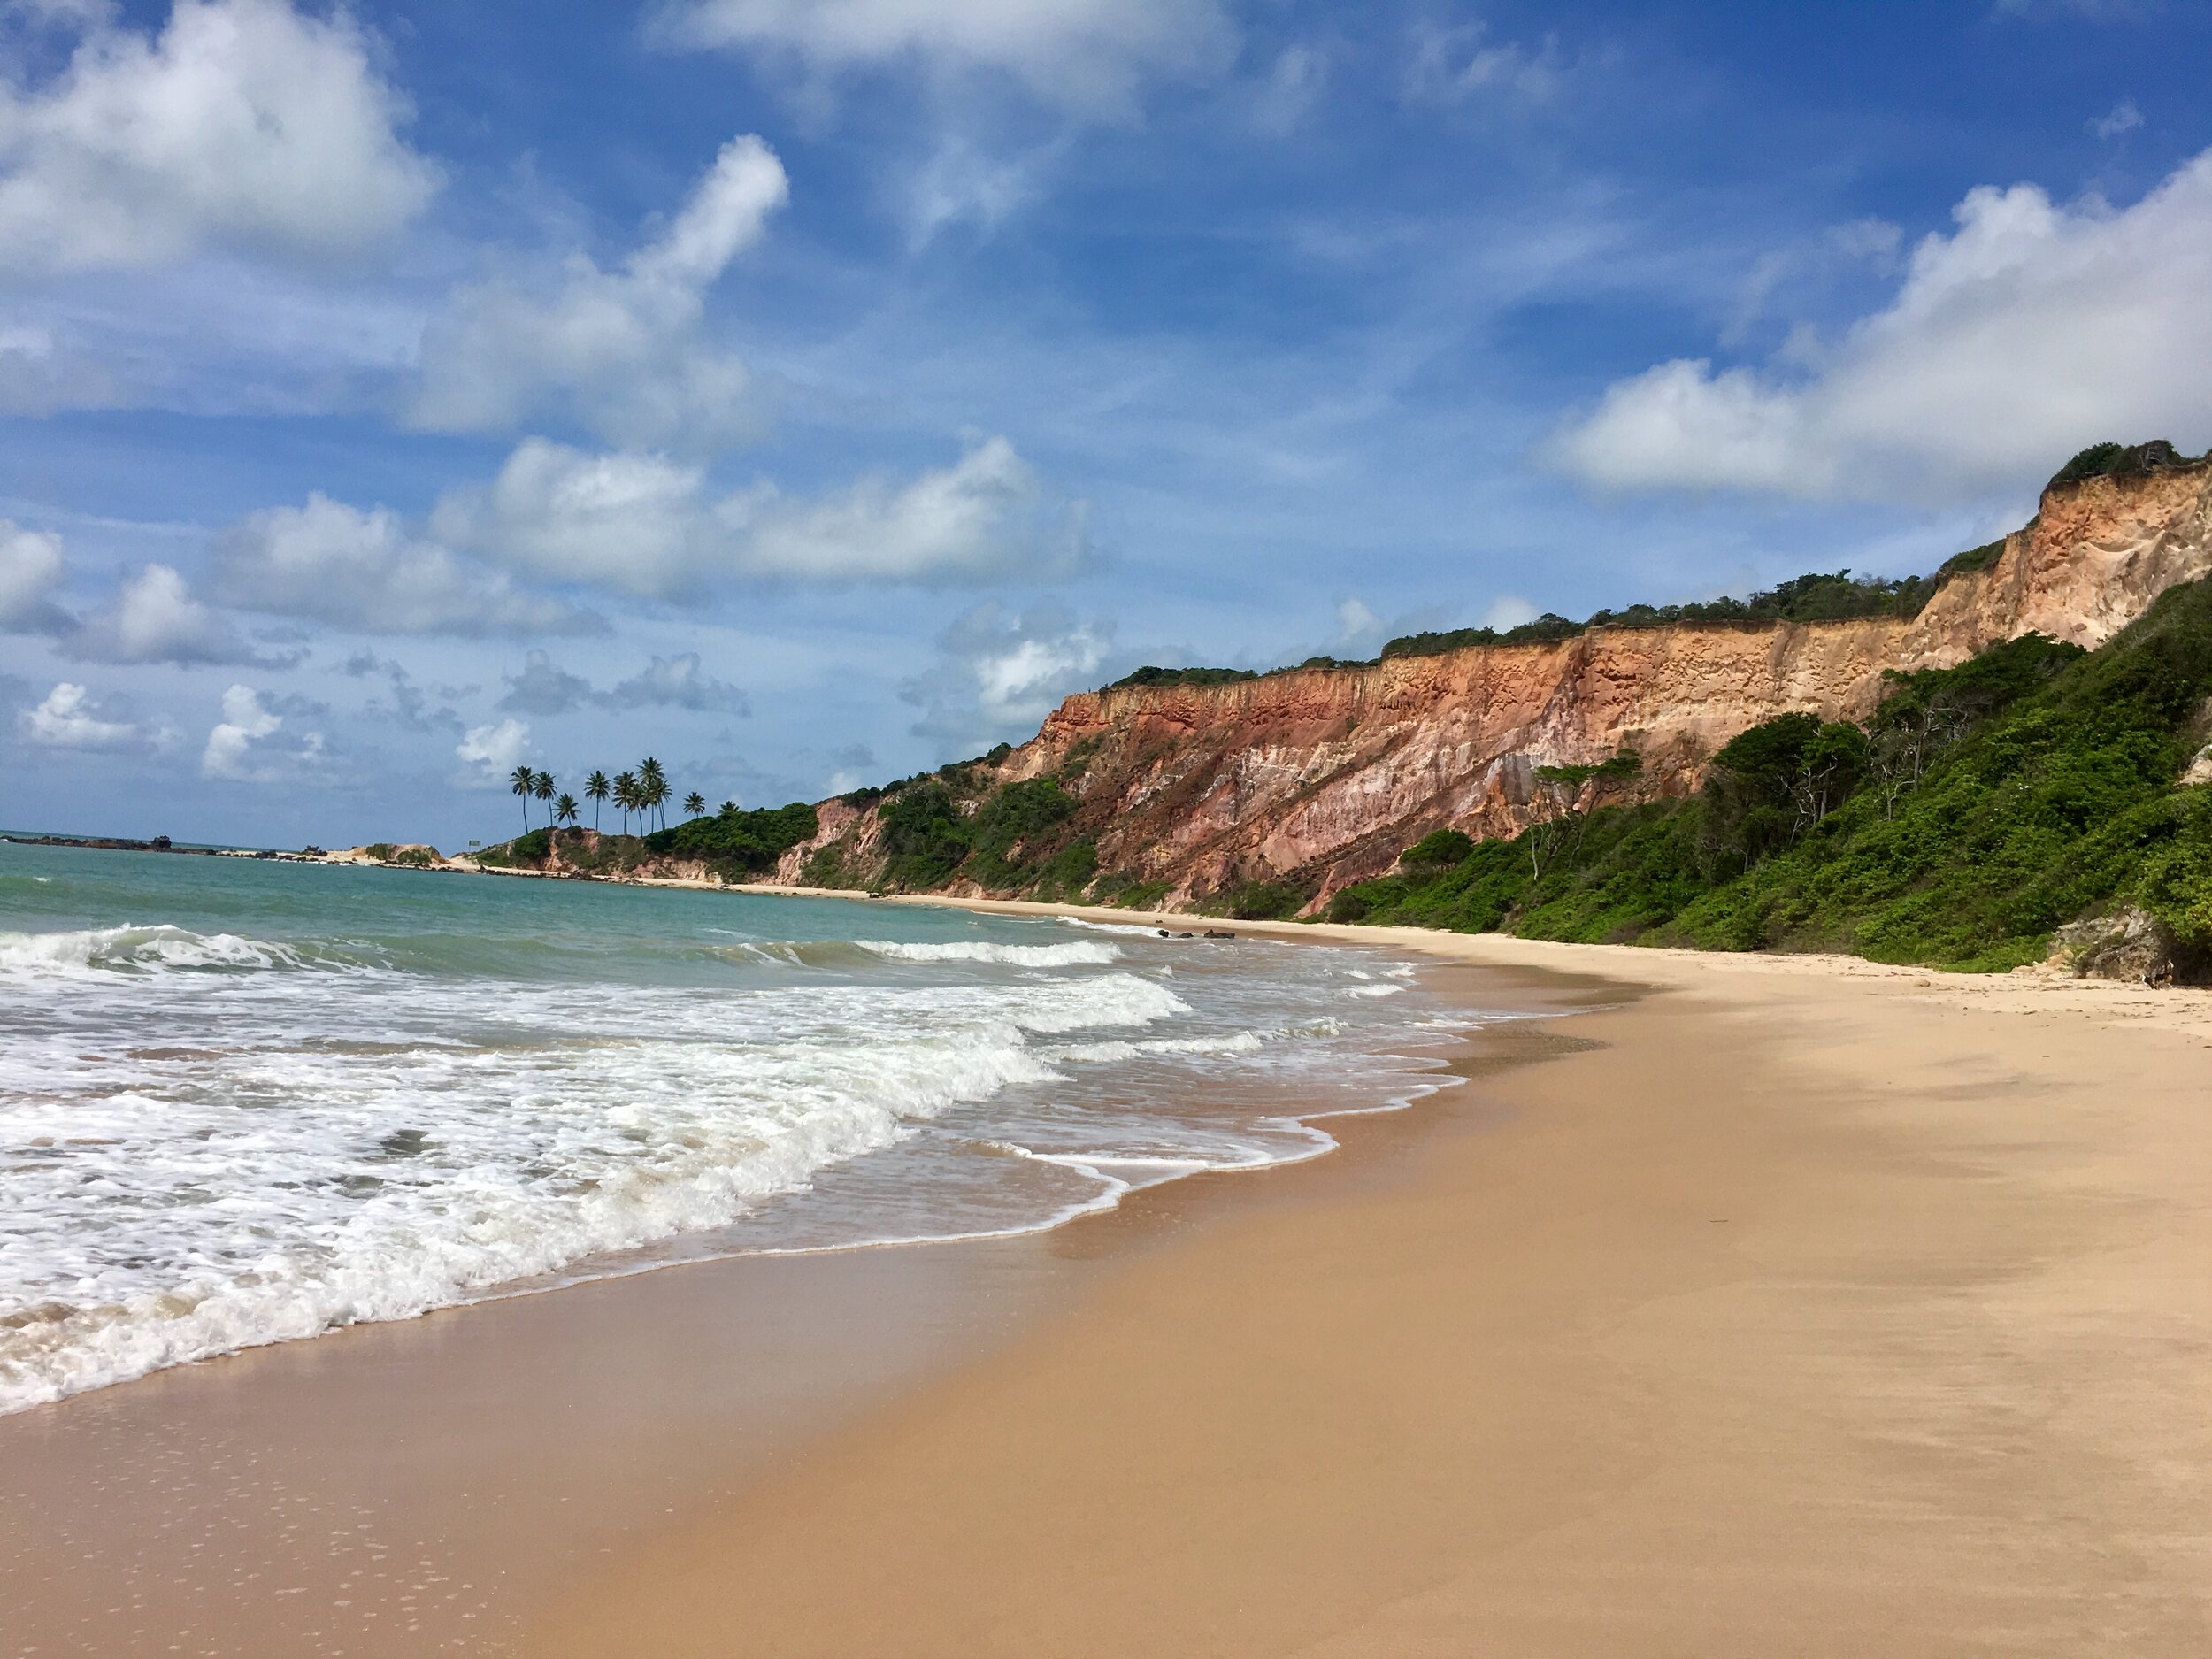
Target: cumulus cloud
(999,674)
(332,563)
(679,682)
(1086,53)
(645,524)
(251,744)
(2031,330)
(154,619)
(31,570)
(622,353)
(489,753)
(69,719)
(544,687)
(243,122)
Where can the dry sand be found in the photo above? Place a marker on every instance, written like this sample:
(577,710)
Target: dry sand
(1822,1309)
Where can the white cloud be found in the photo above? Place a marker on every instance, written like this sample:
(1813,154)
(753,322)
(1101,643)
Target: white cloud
(1087,53)
(249,744)
(678,682)
(1454,65)
(489,753)
(644,524)
(1001,675)
(31,569)
(1356,623)
(2030,331)
(68,718)
(2123,117)
(1296,83)
(154,619)
(622,352)
(243,122)
(336,563)
(1508,610)
(963,183)
(40,376)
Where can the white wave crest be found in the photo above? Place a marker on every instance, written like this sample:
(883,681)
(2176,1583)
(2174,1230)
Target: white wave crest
(135,948)
(521,1186)
(1240,1042)
(1068,955)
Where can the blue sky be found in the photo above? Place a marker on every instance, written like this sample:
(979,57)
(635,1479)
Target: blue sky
(809,391)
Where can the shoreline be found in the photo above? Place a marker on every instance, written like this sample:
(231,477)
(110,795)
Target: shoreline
(1797,1305)
(493,1451)
(1066,1408)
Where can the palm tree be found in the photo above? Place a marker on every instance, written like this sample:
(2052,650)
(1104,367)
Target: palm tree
(694,804)
(564,809)
(541,786)
(729,809)
(653,785)
(596,787)
(625,796)
(524,782)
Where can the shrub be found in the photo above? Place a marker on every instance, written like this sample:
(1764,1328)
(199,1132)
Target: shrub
(1438,849)
(924,838)
(738,842)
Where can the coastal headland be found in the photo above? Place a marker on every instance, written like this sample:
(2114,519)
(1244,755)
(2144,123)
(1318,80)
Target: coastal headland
(1741,1305)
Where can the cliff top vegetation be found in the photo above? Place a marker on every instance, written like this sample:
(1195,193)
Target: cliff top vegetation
(1815,597)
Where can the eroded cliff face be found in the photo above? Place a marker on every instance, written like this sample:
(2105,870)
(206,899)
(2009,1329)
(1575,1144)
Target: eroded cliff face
(1325,775)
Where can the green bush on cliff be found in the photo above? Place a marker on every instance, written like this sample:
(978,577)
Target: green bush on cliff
(1982,807)
(924,840)
(738,842)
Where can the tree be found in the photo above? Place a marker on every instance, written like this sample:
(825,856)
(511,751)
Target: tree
(564,809)
(694,804)
(524,782)
(541,786)
(625,796)
(652,785)
(1561,789)
(729,809)
(596,788)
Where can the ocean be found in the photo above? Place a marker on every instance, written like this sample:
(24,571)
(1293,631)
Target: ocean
(245,1102)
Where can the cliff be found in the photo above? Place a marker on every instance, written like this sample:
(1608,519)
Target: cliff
(1321,776)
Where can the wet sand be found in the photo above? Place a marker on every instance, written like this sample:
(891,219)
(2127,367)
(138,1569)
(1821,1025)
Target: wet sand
(1820,1311)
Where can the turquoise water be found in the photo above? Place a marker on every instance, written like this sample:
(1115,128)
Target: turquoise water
(246,1102)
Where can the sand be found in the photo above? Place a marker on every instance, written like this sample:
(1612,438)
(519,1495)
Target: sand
(1815,1310)
(1772,1307)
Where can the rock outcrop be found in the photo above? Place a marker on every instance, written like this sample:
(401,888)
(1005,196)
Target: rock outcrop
(1324,775)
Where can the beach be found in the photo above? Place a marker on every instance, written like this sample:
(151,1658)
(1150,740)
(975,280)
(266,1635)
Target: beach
(1810,1307)
(1740,1306)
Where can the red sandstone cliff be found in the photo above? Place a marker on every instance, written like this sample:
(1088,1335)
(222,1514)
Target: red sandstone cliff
(1328,773)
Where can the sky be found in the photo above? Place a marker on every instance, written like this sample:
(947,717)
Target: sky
(809,392)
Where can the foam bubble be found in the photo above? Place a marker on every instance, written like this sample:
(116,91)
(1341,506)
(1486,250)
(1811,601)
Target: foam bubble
(1068,955)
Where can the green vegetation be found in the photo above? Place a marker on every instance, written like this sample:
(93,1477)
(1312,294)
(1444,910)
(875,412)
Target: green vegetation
(2121,460)
(735,843)
(925,838)
(1259,901)
(1122,887)
(1981,808)
(405,857)
(1150,676)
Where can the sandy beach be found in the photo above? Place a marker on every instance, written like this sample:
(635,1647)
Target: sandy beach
(1756,1306)
(1798,1307)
